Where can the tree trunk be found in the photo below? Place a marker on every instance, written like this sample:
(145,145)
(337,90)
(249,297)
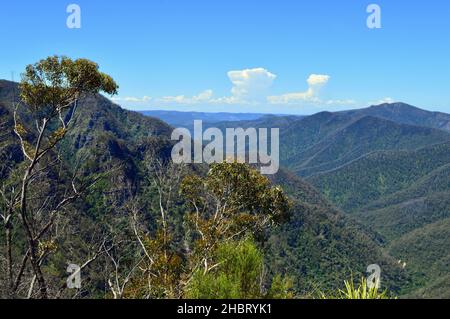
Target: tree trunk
(37,270)
(9,261)
(32,244)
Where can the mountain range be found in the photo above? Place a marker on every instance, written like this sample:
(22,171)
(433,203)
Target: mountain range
(186,119)
(386,167)
(368,186)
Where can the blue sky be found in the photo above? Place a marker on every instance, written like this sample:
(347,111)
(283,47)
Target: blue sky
(283,56)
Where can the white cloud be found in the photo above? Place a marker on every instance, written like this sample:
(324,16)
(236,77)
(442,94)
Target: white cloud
(132,99)
(315,83)
(250,83)
(250,87)
(202,97)
(316,80)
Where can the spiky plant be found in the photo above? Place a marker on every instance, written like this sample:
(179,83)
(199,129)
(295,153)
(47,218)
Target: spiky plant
(361,291)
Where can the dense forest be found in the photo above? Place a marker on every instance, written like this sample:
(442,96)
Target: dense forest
(85,182)
(386,168)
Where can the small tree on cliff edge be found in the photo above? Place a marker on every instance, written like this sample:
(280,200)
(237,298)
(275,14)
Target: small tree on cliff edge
(49,92)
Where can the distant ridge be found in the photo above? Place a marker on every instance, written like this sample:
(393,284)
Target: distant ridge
(401,113)
(186,119)
(406,114)
(328,140)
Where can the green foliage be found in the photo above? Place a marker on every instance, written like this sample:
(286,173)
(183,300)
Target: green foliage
(160,278)
(49,91)
(394,221)
(282,287)
(212,258)
(426,253)
(55,82)
(340,249)
(388,165)
(244,190)
(407,207)
(238,275)
(358,184)
(232,201)
(359,291)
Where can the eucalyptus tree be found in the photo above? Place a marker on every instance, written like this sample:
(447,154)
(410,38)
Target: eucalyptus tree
(49,94)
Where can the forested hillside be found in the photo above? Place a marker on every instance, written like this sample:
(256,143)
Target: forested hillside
(406,114)
(405,197)
(375,188)
(128,155)
(388,167)
(326,141)
(380,174)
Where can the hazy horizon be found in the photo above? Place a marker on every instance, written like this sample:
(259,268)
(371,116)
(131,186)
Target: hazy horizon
(185,110)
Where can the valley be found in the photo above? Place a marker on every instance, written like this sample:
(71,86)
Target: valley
(365,189)
(385,167)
